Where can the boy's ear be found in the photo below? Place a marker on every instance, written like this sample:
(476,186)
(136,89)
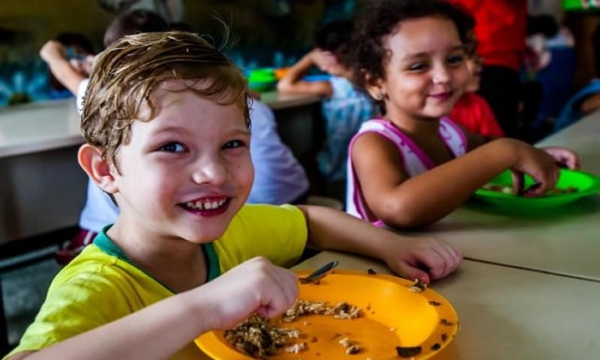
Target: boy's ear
(98,169)
(375,87)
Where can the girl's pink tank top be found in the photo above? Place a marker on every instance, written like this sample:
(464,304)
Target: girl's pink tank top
(414,160)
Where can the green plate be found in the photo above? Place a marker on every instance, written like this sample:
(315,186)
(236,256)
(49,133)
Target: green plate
(262,79)
(586,185)
(262,85)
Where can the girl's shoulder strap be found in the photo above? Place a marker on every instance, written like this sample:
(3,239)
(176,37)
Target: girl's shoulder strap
(414,160)
(453,136)
(384,128)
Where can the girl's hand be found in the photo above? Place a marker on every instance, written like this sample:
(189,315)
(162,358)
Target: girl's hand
(253,286)
(423,259)
(324,60)
(83,66)
(563,156)
(539,165)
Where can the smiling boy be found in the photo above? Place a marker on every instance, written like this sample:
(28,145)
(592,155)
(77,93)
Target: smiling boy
(167,133)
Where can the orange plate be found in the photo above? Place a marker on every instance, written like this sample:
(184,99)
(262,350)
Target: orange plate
(392,316)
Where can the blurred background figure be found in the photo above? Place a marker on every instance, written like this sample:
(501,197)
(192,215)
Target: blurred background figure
(548,75)
(344,107)
(587,99)
(172,11)
(471,110)
(79,51)
(500,30)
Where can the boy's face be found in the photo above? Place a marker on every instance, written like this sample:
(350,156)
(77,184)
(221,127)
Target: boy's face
(186,172)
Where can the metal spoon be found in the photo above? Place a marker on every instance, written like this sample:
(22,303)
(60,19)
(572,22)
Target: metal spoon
(320,273)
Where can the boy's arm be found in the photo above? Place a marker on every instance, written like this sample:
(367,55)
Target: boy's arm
(54,54)
(292,82)
(137,336)
(160,330)
(413,258)
(406,202)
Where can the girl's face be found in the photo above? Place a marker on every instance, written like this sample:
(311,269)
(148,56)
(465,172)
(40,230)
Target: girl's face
(425,73)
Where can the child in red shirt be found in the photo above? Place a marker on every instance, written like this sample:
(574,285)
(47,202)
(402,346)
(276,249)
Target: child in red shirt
(501,31)
(472,111)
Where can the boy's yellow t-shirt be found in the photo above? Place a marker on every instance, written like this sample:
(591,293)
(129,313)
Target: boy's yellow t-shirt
(101,284)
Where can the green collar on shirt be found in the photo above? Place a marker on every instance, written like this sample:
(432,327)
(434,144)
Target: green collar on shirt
(104,243)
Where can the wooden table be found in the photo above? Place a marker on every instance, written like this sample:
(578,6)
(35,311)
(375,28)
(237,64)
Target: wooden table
(563,241)
(508,313)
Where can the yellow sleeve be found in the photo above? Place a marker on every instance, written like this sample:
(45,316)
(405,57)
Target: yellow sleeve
(278,233)
(78,304)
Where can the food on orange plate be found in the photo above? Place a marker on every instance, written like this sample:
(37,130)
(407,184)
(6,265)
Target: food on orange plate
(260,338)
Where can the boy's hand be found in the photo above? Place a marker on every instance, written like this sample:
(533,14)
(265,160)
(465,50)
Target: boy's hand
(563,156)
(539,165)
(53,50)
(424,259)
(253,286)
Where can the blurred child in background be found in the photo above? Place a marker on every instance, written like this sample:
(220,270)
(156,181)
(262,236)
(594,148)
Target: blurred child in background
(69,57)
(471,110)
(79,51)
(587,99)
(501,30)
(344,108)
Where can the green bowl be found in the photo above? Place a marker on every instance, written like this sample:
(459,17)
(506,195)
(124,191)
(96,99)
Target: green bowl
(262,79)
(586,185)
(262,85)
(262,75)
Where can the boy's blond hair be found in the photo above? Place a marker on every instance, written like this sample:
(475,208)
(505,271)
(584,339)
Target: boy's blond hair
(126,74)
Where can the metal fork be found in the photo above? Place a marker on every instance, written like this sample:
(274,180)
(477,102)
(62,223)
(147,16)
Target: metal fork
(320,273)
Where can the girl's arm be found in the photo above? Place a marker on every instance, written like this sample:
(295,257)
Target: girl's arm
(411,257)
(405,202)
(590,104)
(160,330)
(54,54)
(292,82)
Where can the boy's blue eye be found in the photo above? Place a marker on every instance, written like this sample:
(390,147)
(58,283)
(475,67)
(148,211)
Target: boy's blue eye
(233,144)
(172,147)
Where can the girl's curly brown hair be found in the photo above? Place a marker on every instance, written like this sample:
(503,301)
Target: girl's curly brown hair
(126,74)
(381,18)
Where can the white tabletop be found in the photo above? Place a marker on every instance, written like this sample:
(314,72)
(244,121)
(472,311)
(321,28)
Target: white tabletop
(584,138)
(277,101)
(38,127)
(564,241)
(507,313)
